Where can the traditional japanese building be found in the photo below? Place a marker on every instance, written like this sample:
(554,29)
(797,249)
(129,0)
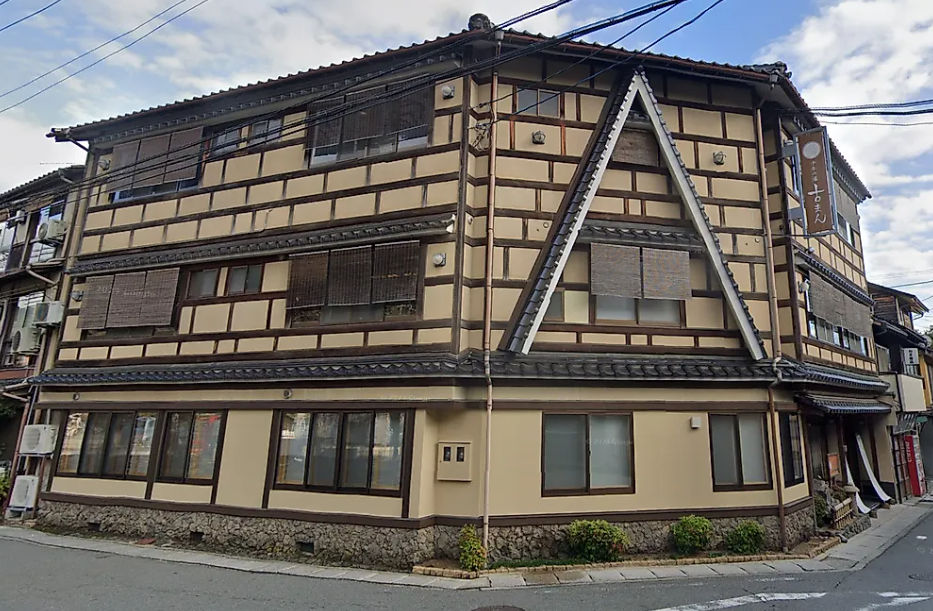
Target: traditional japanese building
(473,280)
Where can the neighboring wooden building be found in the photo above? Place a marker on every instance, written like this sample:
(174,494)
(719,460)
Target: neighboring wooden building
(34,222)
(281,297)
(901,349)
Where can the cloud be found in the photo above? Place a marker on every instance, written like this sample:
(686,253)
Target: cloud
(870,51)
(31,156)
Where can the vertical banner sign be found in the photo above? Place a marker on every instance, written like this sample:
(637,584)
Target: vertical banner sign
(814,164)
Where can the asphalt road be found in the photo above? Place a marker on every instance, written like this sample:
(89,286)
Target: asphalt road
(37,577)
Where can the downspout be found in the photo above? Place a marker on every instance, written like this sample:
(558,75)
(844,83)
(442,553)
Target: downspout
(775,328)
(487,309)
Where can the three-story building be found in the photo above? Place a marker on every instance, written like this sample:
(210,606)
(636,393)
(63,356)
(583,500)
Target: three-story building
(504,282)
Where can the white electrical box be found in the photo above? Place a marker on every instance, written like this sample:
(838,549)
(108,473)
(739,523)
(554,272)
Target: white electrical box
(454,461)
(38,439)
(911,356)
(24,493)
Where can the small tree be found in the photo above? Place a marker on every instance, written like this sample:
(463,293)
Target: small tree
(472,552)
(746,538)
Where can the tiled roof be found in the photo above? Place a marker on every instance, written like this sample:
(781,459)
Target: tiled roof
(844,405)
(820,375)
(918,339)
(265,245)
(637,234)
(537,366)
(545,366)
(847,286)
(72,172)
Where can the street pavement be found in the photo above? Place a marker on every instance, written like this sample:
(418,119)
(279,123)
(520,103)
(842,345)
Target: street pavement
(36,576)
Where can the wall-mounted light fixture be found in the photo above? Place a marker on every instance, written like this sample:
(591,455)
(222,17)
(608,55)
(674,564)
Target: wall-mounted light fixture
(538,137)
(719,158)
(448,92)
(439,259)
(804,286)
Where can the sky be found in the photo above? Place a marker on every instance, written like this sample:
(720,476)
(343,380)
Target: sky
(841,52)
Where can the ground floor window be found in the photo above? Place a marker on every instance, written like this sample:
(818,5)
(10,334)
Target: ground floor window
(189,447)
(791,450)
(345,452)
(739,451)
(587,454)
(107,444)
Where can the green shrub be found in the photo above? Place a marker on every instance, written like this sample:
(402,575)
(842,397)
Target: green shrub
(691,534)
(821,510)
(472,552)
(596,540)
(746,538)
(4,484)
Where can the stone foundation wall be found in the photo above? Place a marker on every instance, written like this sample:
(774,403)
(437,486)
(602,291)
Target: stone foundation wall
(372,546)
(276,538)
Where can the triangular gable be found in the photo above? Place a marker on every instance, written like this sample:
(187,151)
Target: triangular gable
(553,258)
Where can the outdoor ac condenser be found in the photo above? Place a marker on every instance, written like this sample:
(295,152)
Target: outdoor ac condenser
(25,490)
(38,440)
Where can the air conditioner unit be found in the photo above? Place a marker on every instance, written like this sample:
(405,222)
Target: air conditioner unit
(24,336)
(911,356)
(52,232)
(38,439)
(16,218)
(25,490)
(48,313)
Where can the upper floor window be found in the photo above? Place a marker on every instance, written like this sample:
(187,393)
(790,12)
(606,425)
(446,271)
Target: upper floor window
(267,130)
(107,444)
(541,102)
(135,299)
(244,279)
(44,251)
(159,164)
(225,141)
(202,283)
(639,285)
(884,359)
(587,454)
(844,229)
(371,127)
(835,318)
(331,451)
(739,451)
(359,284)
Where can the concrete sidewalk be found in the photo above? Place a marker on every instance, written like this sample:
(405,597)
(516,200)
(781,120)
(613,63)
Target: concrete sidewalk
(886,530)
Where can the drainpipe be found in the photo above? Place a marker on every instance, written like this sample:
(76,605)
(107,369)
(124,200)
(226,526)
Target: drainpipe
(775,327)
(487,311)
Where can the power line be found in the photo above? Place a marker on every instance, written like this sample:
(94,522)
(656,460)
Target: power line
(416,85)
(88,52)
(901,286)
(621,62)
(2,2)
(584,58)
(33,14)
(879,123)
(105,57)
(870,106)
(874,113)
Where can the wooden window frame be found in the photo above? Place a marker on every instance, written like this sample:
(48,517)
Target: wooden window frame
(190,275)
(100,473)
(245,291)
(218,454)
(765,421)
(336,488)
(417,302)
(638,322)
(588,490)
(535,111)
(786,420)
